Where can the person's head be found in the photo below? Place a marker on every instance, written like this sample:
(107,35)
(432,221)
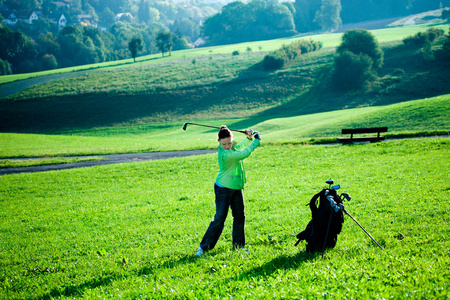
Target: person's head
(225,137)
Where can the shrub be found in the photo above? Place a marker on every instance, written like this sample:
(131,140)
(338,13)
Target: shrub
(235,52)
(273,62)
(5,68)
(446,14)
(362,41)
(49,62)
(446,45)
(426,51)
(353,71)
(288,53)
(421,38)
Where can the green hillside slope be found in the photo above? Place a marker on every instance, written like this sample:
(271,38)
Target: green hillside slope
(420,117)
(218,86)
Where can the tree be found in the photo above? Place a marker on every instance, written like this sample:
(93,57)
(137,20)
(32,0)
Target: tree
(15,47)
(81,45)
(5,68)
(446,45)
(353,71)
(135,45)
(357,59)
(144,11)
(49,62)
(305,13)
(107,16)
(186,27)
(328,17)
(257,20)
(361,41)
(165,41)
(48,44)
(446,15)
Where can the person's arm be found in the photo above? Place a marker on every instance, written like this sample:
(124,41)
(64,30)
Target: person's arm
(242,145)
(242,154)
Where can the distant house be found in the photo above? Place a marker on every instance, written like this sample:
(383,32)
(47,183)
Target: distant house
(59,19)
(8,15)
(30,16)
(60,4)
(11,19)
(127,14)
(87,20)
(199,42)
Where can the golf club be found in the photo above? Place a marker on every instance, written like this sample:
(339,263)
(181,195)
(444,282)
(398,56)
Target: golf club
(186,124)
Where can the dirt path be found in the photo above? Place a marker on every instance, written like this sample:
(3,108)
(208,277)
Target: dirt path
(110,159)
(10,88)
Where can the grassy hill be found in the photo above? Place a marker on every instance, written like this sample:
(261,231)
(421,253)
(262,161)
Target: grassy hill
(217,86)
(141,107)
(419,117)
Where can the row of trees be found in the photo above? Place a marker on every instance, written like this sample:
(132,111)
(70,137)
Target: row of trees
(80,45)
(313,15)
(42,46)
(256,20)
(267,19)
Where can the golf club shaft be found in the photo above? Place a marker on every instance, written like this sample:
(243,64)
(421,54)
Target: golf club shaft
(363,229)
(185,125)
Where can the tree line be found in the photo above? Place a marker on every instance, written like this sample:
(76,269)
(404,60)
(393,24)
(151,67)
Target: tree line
(313,15)
(161,26)
(158,25)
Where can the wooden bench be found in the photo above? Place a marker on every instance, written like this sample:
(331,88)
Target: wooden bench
(371,139)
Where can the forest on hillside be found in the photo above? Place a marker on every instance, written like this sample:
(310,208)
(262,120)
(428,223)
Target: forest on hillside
(96,31)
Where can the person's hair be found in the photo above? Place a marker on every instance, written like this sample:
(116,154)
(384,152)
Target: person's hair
(224,132)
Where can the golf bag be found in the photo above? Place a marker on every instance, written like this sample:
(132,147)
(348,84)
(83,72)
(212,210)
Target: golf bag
(326,221)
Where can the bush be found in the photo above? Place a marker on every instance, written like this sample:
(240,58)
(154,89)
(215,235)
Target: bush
(5,68)
(49,62)
(288,53)
(273,62)
(446,14)
(353,71)
(446,45)
(421,38)
(361,41)
(235,52)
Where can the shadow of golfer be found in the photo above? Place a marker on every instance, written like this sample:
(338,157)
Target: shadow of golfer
(283,262)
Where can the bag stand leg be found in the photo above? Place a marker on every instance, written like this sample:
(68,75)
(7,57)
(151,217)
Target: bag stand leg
(362,228)
(326,236)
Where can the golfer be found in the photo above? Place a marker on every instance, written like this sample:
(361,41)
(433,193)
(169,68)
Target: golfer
(228,188)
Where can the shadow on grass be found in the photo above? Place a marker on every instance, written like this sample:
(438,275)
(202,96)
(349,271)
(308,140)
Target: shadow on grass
(283,262)
(171,263)
(78,290)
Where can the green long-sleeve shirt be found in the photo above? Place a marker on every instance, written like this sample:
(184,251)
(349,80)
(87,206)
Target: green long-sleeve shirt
(231,168)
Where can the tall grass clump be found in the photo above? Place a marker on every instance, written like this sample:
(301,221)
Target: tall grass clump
(288,53)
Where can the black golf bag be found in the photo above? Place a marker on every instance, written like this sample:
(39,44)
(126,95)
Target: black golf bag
(326,222)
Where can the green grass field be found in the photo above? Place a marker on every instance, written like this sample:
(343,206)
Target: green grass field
(130,231)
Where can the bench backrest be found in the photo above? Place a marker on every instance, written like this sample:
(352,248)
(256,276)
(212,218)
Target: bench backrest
(364,130)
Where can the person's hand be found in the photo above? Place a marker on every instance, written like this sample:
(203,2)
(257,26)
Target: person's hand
(249,133)
(256,135)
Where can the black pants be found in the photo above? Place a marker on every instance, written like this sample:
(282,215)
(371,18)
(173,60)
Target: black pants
(226,198)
